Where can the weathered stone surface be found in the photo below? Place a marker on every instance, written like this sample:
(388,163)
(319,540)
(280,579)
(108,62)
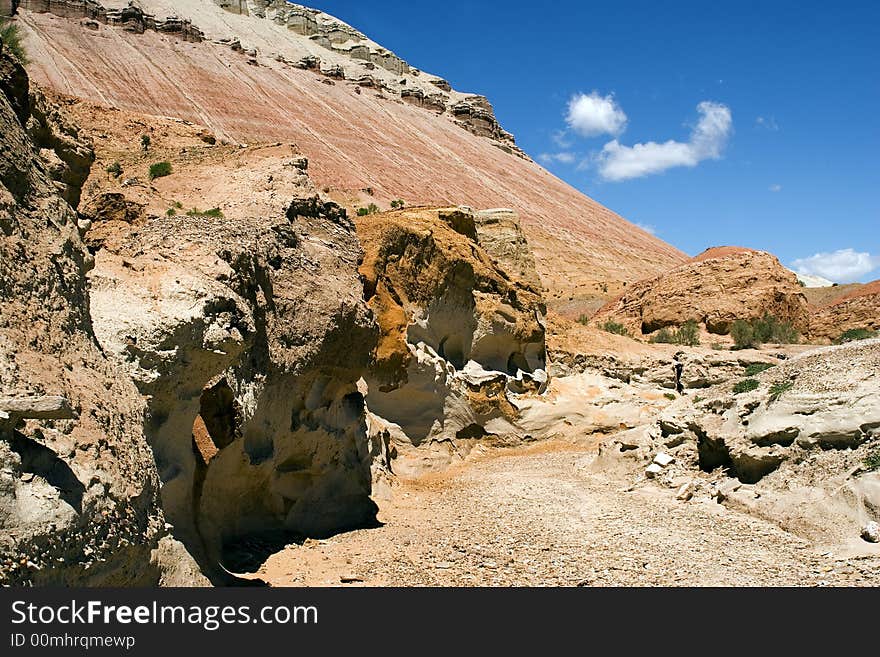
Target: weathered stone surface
(714,289)
(245,329)
(78,487)
(457,331)
(802,438)
(859,309)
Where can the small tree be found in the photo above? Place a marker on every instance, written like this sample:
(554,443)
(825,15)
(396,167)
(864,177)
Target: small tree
(115,169)
(160,170)
(145,143)
(688,334)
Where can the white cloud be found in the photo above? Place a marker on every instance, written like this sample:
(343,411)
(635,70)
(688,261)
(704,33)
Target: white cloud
(767,123)
(648,228)
(841,266)
(707,141)
(561,139)
(564,157)
(775,188)
(593,114)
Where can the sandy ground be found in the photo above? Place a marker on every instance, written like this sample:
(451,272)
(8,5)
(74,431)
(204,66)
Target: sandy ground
(536,516)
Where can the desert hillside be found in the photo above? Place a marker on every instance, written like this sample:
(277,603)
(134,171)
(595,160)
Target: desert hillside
(374,128)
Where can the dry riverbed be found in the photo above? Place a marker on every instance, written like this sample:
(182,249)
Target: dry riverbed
(535,516)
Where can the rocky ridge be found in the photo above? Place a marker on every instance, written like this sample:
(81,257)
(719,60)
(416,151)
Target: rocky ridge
(857,309)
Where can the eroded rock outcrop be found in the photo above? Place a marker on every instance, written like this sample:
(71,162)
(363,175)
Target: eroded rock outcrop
(858,309)
(459,334)
(714,289)
(247,337)
(794,450)
(79,495)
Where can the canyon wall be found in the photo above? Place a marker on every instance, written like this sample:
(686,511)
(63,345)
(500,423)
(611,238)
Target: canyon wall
(79,494)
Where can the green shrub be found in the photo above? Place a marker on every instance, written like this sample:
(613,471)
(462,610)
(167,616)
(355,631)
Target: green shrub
(855,334)
(178,205)
(372,208)
(778,389)
(145,142)
(213,212)
(170,212)
(11,38)
(872,460)
(746,385)
(583,319)
(752,334)
(115,169)
(397,205)
(756,368)
(688,334)
(669,395)
(770,328)
(664,336)
(613,327)
(743,335)
(160,170)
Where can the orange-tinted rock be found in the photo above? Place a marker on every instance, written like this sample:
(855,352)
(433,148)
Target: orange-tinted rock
(858,309)
(716,288)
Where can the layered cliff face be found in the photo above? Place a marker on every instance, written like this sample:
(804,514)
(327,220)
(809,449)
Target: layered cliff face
(79,495)
(715,289)
(374,128)
(461,337)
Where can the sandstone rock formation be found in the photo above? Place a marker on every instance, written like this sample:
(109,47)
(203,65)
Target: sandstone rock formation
(794,450)
(714,289)
(245,329)
(439,146)
(78,487)
(459,335)
(857,309)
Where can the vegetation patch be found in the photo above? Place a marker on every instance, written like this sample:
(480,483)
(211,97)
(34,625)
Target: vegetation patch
(753,333)
(612,327)
(397,205)
(855,334)
(213,212)
(160,170)
(746,385)
(115,169)
(756,368)
(11,38)
(372,208)
(872,460)
(688,334)
(779,389)
(670,396)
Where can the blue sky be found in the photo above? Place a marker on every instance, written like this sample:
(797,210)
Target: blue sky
(772,110)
